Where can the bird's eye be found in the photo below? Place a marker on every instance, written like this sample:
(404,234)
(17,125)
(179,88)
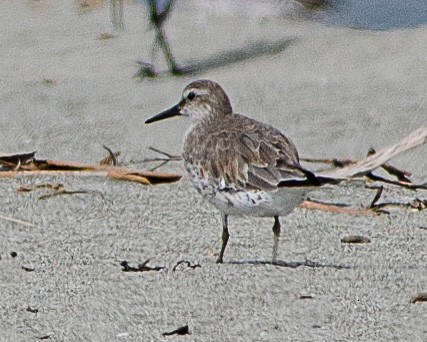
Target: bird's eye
(191,95)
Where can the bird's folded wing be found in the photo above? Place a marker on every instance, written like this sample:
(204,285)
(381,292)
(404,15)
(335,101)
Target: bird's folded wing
(258,161)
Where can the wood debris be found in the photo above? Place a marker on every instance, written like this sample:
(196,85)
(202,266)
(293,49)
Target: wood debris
(420,297)
(25,164)
(416,203)
(167,157)
(306,297)
(355,239)
(401,175)
(31,187)
(32,310)
(370,163)
(332,208)
(140,268)
(12,160)
(374,208)
(54,189)
(28,269)
(180,331)
(187,263)
(111,159)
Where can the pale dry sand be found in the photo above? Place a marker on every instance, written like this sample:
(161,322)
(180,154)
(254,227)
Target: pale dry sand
(334,91)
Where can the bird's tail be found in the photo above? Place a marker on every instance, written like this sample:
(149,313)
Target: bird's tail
(311,180)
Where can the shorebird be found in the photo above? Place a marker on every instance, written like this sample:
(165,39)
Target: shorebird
(240,165)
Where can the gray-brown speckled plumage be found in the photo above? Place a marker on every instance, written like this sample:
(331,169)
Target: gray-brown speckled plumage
(242,166)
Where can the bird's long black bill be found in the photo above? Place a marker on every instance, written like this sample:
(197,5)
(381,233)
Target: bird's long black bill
(168,113)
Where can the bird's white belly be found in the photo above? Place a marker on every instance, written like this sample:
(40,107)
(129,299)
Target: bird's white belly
(247,202)
(259,203)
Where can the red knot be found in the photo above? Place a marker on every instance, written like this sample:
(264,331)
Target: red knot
(240,165)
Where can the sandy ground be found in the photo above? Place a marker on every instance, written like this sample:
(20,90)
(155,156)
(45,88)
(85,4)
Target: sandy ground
(334,91)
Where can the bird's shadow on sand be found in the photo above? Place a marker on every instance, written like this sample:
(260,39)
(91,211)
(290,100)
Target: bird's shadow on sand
(289,264)
(251,50)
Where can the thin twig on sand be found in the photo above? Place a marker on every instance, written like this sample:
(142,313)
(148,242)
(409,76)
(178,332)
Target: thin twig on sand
(310,204)
(15,220)
(111,159)
(163,160)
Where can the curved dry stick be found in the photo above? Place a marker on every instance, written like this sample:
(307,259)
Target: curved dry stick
(308,204)
(366,165)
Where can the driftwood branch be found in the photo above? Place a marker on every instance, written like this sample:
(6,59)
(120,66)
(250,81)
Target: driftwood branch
(366,165)
(28,165)
(401,175)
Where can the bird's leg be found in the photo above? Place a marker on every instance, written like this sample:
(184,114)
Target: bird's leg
(276,231)
(225,237)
